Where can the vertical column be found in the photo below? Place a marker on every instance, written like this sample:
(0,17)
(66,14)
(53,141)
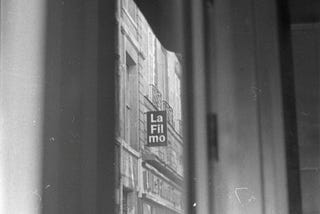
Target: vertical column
(194,101)
(21,107)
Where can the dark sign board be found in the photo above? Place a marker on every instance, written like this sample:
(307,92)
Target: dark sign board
(156,128)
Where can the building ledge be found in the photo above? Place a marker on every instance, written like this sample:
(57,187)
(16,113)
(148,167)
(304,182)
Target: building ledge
(160,202)
(162,167)
(121,142)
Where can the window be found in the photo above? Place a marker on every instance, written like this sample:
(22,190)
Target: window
(131,102)
(58,109)
(129,205)
(131,8)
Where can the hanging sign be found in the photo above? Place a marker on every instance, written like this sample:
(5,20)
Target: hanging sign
(156,128)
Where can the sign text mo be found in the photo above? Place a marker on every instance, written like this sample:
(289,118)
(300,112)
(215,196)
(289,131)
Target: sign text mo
(156,128)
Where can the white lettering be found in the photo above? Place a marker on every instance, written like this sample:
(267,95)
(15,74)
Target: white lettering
(152,119)
(154,127)
(162,138)
(153,139)
(158,119)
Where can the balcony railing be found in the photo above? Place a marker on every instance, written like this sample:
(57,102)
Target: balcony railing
(166,169)
(169,111)
(155,96)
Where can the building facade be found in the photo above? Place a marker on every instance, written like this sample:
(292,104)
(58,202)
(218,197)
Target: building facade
(148,79)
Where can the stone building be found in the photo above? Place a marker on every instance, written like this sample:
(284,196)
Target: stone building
(148,79)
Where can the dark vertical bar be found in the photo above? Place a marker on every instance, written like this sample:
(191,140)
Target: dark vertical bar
(187,88)
(106,106)
(212,127)
(289,109)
